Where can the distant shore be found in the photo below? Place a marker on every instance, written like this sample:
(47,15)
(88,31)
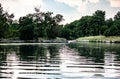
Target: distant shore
(99,39)
(33,41)
(102,39)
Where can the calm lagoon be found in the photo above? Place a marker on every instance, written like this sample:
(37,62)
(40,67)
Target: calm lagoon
(59,61)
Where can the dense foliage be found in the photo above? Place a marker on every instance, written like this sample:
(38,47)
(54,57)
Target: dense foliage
(5,22)
(32,26)
(39,25)
(45,25)
(92,26)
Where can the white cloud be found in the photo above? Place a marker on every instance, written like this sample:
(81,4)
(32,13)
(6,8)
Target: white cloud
(20,7)
(114,3)
(79,5)
(93,1)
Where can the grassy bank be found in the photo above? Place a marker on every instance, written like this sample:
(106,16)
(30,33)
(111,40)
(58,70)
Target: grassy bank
(111,39)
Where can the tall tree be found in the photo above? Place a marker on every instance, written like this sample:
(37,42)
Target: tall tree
(5,21)
(117,16)
(26,28)
(39,24)
(99,20)
(53,25)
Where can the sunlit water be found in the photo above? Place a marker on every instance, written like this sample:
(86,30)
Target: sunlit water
(59,61)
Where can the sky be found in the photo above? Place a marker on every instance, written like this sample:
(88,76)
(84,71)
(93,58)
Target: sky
(70,9)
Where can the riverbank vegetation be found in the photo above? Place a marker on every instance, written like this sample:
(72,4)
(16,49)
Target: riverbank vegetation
(30,27)
(93,26)
(112,39)
(46,25)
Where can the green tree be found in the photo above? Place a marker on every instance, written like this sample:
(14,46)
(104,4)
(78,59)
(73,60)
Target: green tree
(113,26)
(39,24)
(117,26)
(85,26)
(5,21)
(26,28)
(117,16)
(52,24)
(14,30)
(109,24)
(65,32)
(99,21)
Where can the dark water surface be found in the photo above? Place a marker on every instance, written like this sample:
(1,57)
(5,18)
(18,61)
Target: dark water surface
(60,61)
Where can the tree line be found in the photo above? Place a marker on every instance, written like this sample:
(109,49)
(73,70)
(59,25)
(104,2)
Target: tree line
(93,25)
(30,27)
(46,25)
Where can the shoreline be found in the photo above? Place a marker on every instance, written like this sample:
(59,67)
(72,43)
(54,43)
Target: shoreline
(33,41)
(95,39)
(99,39)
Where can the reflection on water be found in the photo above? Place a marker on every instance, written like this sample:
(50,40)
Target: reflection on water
(60,61)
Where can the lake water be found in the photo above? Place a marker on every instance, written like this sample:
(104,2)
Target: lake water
(59,61)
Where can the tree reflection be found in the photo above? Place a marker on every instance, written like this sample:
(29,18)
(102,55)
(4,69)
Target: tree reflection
(4,50)
(41,51)
(91,51)
(114,49)
(36,52)
(53,49)
(96,51)
(2,54)
(49,59)
(27,52)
